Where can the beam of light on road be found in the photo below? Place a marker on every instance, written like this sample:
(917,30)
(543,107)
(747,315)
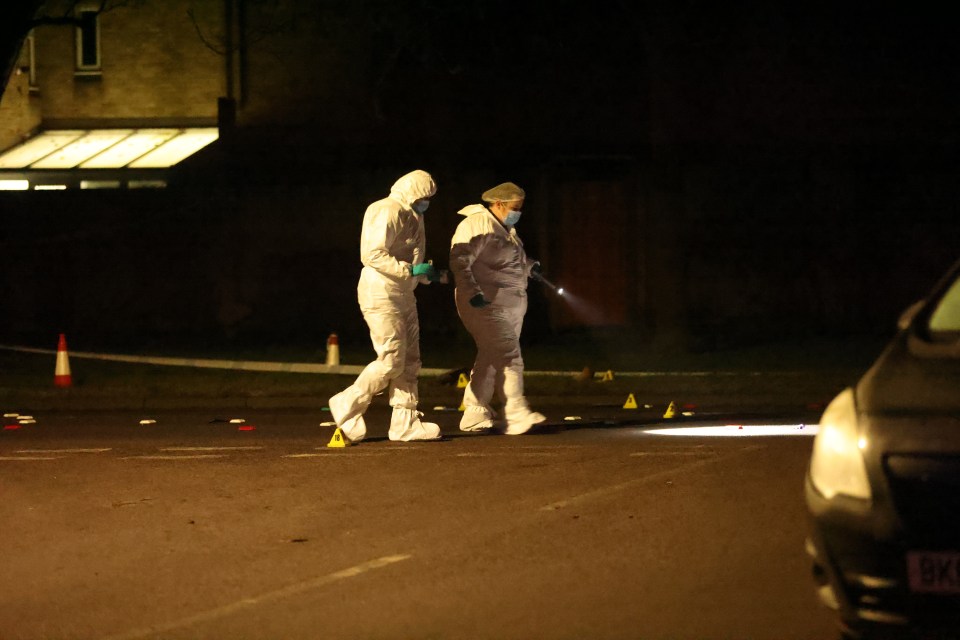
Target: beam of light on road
(739,430)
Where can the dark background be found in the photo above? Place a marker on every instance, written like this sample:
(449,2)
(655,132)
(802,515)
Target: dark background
(708,177)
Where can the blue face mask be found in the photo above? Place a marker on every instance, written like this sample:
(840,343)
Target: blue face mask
(512,218)
(421,206)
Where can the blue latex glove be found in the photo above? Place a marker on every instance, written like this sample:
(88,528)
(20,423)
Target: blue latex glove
(478,301)
(424,269)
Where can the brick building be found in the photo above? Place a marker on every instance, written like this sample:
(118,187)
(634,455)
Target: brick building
(690,170)
(117,85)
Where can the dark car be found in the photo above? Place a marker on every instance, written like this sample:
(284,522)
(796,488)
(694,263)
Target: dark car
(883,485)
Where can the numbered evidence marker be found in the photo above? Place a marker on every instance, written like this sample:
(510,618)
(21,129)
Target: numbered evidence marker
(338,441)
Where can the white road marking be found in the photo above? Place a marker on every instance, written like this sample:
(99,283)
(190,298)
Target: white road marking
(674,471)
(501,453)
(29,458)
(211,448)
(639,454)
(199,457)
(305,455)
(340,453)
(392,449)
(546,446)
(264,598)
(64,450)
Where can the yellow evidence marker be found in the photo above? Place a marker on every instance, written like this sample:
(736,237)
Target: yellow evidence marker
(338,440)
(671,411)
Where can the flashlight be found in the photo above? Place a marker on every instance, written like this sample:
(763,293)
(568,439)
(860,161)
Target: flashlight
(557,290)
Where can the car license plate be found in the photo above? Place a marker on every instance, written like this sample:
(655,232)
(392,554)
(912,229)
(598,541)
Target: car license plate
(934,572)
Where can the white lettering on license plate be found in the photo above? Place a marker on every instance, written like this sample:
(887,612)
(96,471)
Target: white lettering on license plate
(934,572)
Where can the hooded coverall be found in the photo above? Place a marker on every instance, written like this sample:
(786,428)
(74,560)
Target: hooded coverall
(487,257)
(392,240)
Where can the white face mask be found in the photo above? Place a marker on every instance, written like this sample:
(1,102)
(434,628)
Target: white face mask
(421,206)
(513,217)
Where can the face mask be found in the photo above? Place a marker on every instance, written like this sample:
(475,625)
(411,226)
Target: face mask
(512,218)
(421,206)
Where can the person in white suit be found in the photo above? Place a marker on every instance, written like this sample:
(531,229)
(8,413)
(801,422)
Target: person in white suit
(490,269)
(392,246)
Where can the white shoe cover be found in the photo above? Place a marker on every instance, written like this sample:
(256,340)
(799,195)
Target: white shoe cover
(405,426)
(476,418)
(520,424)
(354,428)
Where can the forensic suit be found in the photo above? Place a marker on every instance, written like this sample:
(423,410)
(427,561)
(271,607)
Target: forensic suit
(392,245)
(487,257)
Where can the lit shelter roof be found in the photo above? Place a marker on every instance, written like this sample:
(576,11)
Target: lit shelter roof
(107,148)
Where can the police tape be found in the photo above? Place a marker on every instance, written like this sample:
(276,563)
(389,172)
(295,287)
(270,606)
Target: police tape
(314,368)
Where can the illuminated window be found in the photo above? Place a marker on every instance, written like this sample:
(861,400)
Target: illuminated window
(107,148)
(176,149)
(100,158)
(35,148)
(86,146)
(945,319)
(137,144)
(99,184)
(146,184)
(88,42)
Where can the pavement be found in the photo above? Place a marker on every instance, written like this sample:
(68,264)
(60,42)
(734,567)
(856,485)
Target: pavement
(136,382)
(104,388)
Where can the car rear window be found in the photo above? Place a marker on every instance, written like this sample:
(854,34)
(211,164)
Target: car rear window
(945,318)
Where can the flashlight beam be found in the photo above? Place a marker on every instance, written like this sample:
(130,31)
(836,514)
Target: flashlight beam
(550,285)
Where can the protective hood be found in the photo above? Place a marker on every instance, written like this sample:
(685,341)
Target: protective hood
(472,209)
(412,187)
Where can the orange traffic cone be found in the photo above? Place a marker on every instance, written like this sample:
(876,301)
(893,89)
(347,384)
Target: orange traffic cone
(333,351)
(61,376)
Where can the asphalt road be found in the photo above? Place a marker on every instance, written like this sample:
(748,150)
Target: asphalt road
(193,528)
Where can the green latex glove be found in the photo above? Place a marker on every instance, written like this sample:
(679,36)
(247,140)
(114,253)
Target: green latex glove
(424,269)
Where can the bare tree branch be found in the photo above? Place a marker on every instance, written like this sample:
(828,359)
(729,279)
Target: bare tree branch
(203,39)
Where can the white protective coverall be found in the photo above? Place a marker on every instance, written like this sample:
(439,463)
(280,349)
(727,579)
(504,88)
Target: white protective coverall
(487,257)
(391,241)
